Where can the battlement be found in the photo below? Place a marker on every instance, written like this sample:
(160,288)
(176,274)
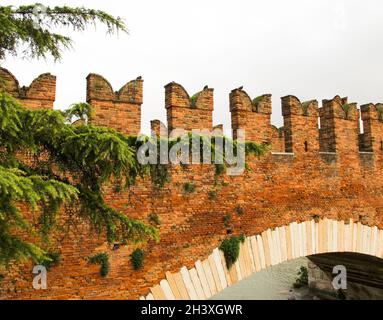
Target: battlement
(291,105)
(253,116)
(372,138)
(40,94)
(241,101)
(185,112)
(339,126)
(120,110)
(339,108)
(300,125)
(339,130)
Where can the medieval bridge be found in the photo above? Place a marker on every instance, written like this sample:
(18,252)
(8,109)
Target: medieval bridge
(318,191)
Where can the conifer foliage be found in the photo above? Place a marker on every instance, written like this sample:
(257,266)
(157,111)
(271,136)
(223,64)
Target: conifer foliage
(45,161)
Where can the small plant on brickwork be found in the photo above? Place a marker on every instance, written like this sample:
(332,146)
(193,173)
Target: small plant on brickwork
(117,188)
(239,210)
(255,103)
(2,277)
(159,174)
(305,107)
(212,194)
(51,259)
(219,169)
(230,248)
(302,279)
(103,260)
(137,258)
(227,220)
(154,219)
(316,217)
(189,188)
(193,101)
(346,108)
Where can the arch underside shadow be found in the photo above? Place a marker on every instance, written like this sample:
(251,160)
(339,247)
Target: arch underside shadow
(271,247)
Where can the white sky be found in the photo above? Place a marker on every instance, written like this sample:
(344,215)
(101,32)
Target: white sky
(311,49)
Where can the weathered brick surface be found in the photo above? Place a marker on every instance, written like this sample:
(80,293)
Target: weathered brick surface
(40,94)
(276,190)
(120,110)
(184,112)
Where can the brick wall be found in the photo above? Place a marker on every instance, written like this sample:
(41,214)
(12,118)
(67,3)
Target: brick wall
(120,110)
(39,95)
(185,112)
(276,190)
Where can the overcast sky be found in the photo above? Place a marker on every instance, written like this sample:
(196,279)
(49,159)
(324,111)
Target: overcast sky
(311,49)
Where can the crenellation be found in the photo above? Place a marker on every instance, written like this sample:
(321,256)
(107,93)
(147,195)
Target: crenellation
(339,120)
(253,116)
(40,94)
(187,113)
(372,117)
(119,110)
(300,125)
(339,126)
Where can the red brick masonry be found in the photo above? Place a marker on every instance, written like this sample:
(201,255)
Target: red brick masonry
(332,172)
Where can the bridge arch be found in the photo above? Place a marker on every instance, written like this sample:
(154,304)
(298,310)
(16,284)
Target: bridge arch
(271,247)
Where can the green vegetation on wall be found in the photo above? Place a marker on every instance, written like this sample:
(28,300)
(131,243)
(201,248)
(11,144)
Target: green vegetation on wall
(103,260)
(302,279)
(230,248)
(137,258)
(189,187)
(154,219)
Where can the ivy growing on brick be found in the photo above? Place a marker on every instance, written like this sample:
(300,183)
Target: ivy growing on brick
(193,100)
(103,260)
(212,194)
(230,248)
(51,259)
(189,187)
(239,210)
(154,219)
(137,258)
(226,220)
(255,102)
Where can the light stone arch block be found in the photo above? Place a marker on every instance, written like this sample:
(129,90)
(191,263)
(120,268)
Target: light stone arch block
(188,283)
(220,270)
(157,293)
(261,251)
(197,284)
(251,255)
(173,285)
(214,271)
(203,279)
(255,250)
(209,276)
(283,243)
(266,249)
(164,284)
